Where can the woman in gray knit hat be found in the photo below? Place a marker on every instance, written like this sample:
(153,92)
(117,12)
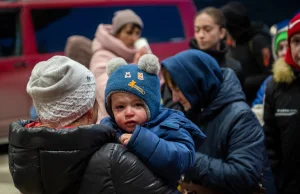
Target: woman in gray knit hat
(116,40)
(64,151)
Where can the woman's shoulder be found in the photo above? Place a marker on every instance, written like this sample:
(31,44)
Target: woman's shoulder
(70,138)
(112,164)
(234,111)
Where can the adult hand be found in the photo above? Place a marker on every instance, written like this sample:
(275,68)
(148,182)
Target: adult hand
(124,139)
(139,53)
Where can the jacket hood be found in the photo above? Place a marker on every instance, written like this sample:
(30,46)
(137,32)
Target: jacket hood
(46,160)
(230,91)
(197,75)
(104,40)
(218,55)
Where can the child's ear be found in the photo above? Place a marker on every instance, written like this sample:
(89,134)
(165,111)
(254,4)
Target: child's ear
(113,64)
(149,63)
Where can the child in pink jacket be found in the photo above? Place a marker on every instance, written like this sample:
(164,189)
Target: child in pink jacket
(116,40)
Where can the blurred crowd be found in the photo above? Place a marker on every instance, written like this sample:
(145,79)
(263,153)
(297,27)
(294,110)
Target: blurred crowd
(220,117)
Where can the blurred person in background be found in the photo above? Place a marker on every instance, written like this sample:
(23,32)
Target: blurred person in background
(116,40)
(209,35)
(251,46)
(282,115)
(79,48)
(64,151)
(279,48)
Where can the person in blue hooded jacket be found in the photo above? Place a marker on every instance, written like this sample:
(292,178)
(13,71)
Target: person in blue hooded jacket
(233,157)
(164,139)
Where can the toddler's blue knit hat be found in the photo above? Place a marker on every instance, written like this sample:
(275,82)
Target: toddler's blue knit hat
(141,80)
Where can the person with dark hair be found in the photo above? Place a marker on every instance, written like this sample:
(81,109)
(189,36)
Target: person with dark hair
(233,157)
(282,115)
(251,47)
(116,40)
(209,35)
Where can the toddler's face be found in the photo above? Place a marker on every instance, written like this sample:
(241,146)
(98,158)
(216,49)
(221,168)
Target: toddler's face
(128,111)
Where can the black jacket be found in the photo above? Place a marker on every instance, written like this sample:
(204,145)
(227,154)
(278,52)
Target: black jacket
(282,131)
(45,160)
(117,163)
(253,51)
(223,59)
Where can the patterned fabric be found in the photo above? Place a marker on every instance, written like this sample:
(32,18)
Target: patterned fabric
(62,90)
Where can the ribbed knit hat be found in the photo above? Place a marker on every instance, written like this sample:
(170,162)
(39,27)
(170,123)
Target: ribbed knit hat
(62,90)
(125,17)
(141,80)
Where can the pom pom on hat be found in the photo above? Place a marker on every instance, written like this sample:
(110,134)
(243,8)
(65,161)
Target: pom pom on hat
(149,63)
(113,64)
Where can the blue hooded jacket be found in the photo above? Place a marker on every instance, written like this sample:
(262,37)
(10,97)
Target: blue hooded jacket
(261,92)
(165,144)
(233,156)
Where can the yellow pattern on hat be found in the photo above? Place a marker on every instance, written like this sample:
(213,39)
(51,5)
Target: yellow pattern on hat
(133,85)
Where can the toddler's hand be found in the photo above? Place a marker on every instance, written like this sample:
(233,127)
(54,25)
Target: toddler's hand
(124,139)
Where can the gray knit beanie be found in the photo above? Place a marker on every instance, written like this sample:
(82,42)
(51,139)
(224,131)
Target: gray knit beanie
(125,17)
(62,90)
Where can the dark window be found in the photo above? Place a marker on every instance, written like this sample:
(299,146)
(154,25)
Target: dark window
(54,26)
(10,36)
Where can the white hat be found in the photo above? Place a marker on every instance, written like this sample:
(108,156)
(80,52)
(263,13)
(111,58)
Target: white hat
(62,90)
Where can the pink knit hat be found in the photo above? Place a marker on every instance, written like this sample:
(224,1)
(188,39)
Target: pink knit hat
(123,17)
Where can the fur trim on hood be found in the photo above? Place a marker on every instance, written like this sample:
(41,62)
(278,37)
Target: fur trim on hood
(283,72)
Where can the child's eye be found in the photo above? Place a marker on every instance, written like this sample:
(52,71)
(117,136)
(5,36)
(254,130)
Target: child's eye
(119,107)
(139,105)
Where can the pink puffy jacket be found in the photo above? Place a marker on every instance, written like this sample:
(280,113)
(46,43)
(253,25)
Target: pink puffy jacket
(105,47)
